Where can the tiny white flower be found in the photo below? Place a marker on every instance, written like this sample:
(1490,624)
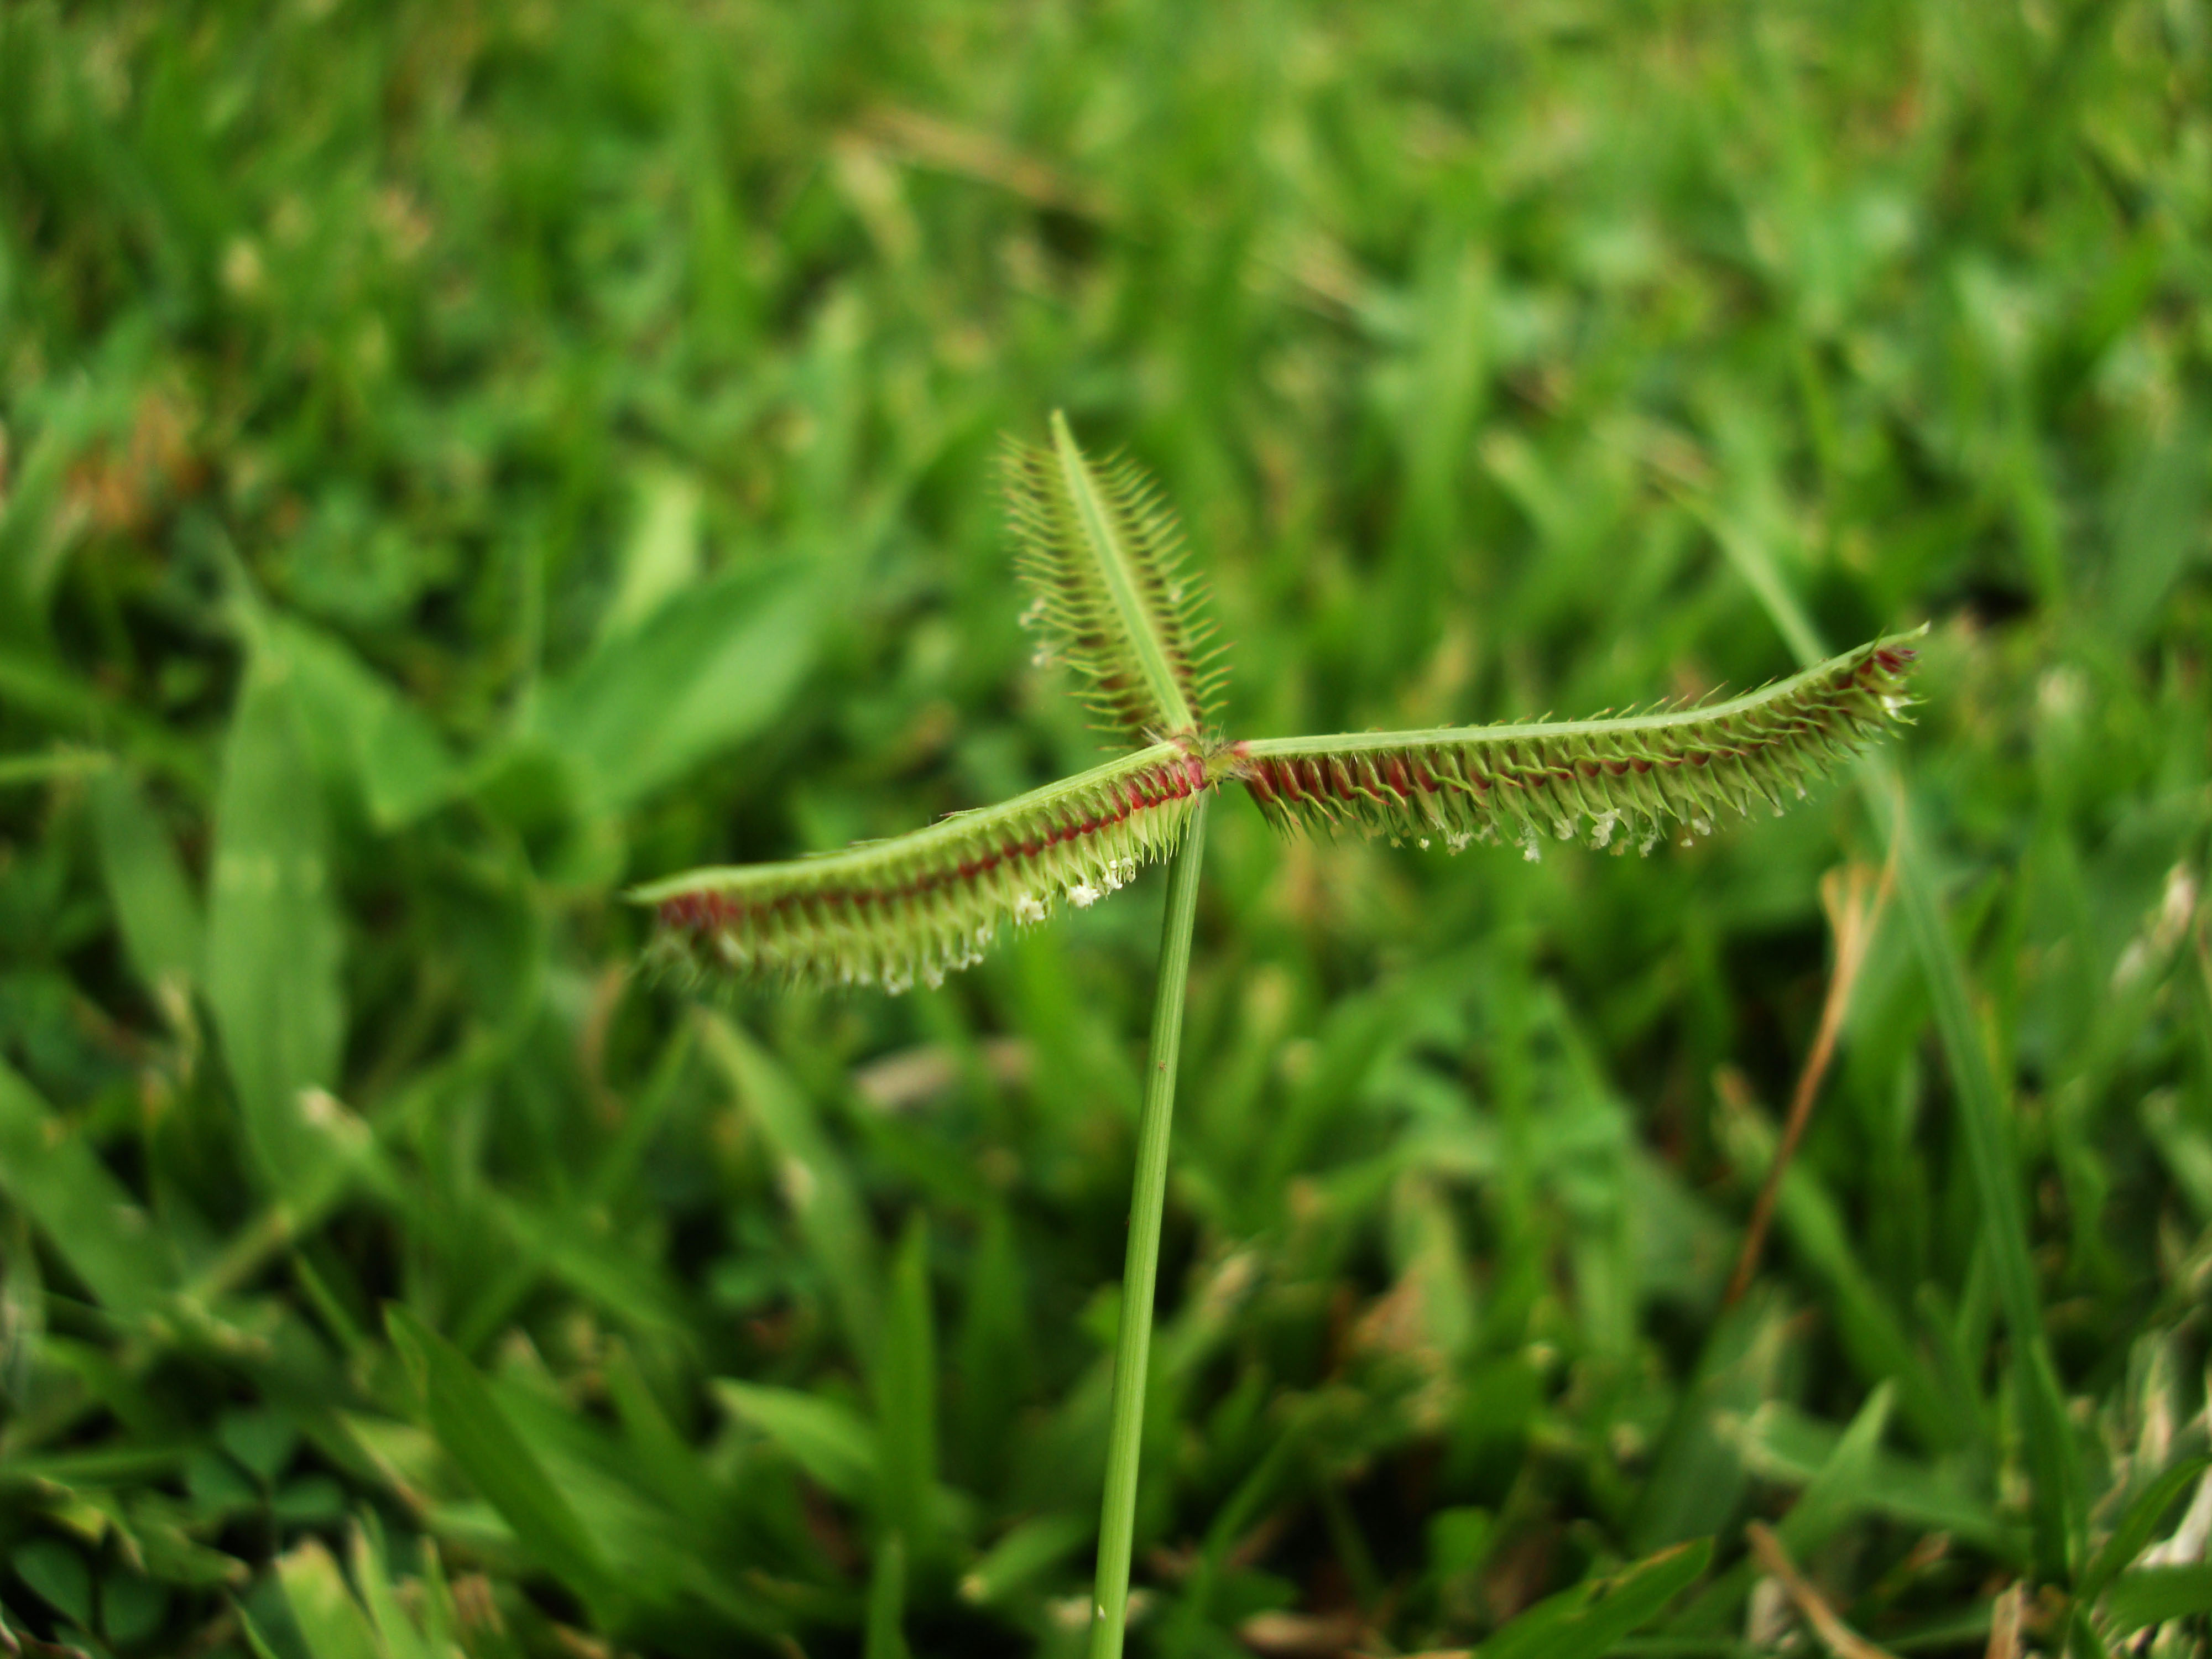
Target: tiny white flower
(1083,895)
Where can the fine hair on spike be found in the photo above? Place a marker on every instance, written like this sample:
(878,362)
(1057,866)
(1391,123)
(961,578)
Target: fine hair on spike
(1103,557)
(1615,776)
(918,907)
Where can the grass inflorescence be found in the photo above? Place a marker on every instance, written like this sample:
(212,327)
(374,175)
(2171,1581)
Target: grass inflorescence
(1105,554)
(460,463)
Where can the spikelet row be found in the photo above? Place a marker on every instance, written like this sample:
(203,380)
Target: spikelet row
(893,913)
(1614,782)
(1120,608)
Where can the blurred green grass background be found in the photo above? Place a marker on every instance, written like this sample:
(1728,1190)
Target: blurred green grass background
(457,460)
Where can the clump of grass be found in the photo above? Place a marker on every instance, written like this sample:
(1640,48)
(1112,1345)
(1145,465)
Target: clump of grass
(1102,555)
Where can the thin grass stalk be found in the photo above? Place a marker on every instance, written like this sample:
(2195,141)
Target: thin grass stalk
(1133,1342)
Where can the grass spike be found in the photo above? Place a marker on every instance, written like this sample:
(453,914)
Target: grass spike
(915,907)
(1627,777)
(1102,555)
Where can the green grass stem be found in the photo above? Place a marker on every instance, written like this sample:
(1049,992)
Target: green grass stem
(1117,1515)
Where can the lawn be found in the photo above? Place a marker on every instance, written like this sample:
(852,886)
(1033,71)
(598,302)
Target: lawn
(459,463)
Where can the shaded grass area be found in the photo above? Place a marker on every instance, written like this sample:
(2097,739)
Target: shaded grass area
(458,462)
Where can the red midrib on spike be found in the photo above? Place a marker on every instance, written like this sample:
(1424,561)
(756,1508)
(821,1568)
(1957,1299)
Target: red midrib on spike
(1274,781)
(698,912)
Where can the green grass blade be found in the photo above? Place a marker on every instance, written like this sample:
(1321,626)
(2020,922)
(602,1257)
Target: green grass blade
(2051,1456)
(831,1441)
(1029,1550)
(17,770)
(2138,1527)
(274,935)
(1586,1621)
(886,1635)
(906,1412)
(1628,778)
(395,1630)
(482,1440)
(332,1623)
(361,729)
(154,905)
(710,667)
(49,1174)
(1141,1275)
(2151,1596)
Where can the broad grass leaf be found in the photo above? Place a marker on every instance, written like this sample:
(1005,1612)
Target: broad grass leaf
(577,1252)
(394,1629)
(1780,1443)
(58,1575)
(273,936)
(1847,1482)
(1030,1549)
(2157,525)
(661,558)
(2151,1596)
(154,905)
(477,1433)
(708,668)
(332,1624)
(49,1174)
(1586,1621)
(833,1443)
(2133,1535)
(361,729)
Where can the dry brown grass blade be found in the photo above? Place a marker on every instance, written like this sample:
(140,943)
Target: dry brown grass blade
(943,146)
(2004,1623)
(1853,915)
(1839,1637)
